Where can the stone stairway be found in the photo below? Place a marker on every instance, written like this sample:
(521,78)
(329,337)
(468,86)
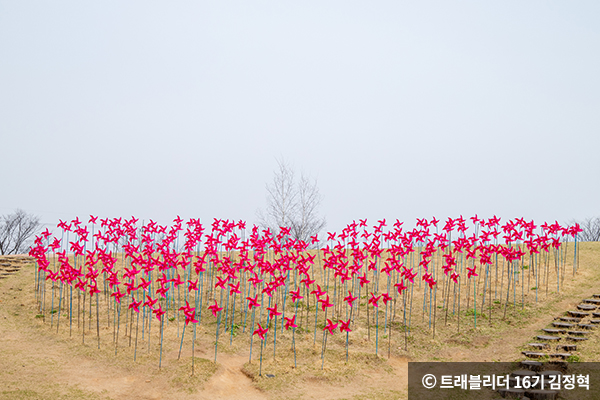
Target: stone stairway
(552,350)
(13,263)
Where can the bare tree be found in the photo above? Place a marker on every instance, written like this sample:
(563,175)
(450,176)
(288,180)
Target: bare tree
(590,229)
(15,231)
(307,222)
(293,206)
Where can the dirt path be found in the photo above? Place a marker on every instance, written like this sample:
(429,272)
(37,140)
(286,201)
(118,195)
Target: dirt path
(229,381)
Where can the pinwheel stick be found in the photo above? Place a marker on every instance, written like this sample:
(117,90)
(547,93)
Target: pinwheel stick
(161,340)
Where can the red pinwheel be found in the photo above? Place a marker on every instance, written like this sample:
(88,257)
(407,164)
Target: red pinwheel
(400,286)
(118,295)
(363,279)
(220,282)
(345,326)
(350,299)
(273,311)
(177,281)
(454,277)
(290,322)
(215,308)
(93,289)
(149,302)
(374,299)
(190,313)
(158,312)
(296,295)
(253,302)
(330,326)
(385,297)
(318,292)
(307,281)
(260,331)
(135,305)
(325,303)
(234,288)
(471,272)
(192,285)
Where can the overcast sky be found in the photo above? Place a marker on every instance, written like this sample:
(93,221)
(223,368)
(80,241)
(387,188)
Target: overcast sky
(400,109)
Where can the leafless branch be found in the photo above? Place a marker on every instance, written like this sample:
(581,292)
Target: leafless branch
(15,231)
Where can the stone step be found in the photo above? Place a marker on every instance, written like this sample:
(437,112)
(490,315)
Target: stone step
(597,296)
(554,331)
(539,345)
(562,356)
(549,338)
(576,338)
(570,319)
(531,365)
(595,321)
(591,301)
(578,333)
(562,324)
(586,326)
(566,347)
(579,314)
(533,354)
(558,365)
(586,307)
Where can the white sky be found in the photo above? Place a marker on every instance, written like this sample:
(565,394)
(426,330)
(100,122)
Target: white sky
(401,109)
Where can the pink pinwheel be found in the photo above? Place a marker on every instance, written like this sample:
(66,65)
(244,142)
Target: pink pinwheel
(345,325)
(318,292)
(330,326)
(400,286)
(260,331)
(325,303)
(220,282)
(255,280)
(192,285)
(471,272)
(296,295)
(363,279)
(253,302)
(350,299)
(273,311)
(290,322)
(215,308)
(135,305)
(118,295)
(454,277)
(144,284)
(93,289)
(190,317)
(307,281)
(234,288)
(374,299)
(149,302)
(177,281)
(385,297)
(159,312)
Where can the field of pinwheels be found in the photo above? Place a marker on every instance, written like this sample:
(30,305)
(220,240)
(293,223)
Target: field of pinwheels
(228,307)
